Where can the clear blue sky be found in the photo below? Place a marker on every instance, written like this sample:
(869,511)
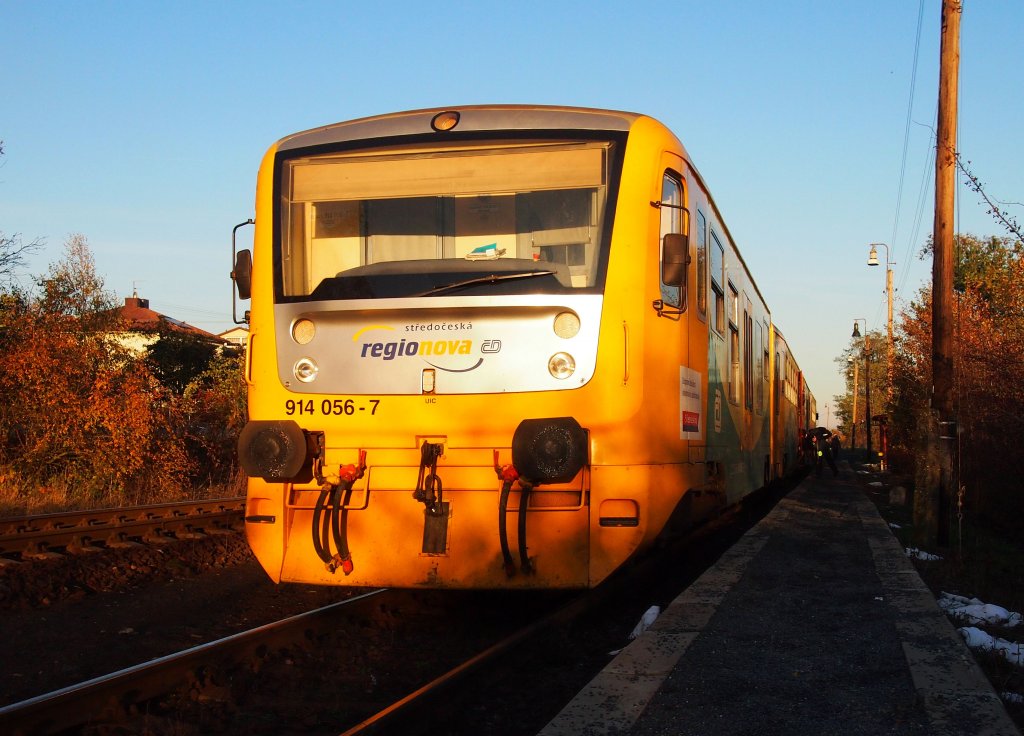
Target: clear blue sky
(141,125)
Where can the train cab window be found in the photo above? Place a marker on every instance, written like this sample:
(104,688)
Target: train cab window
(401,229)
(671,222)
(717,279)
(702,264)
(734,345)
(419,221)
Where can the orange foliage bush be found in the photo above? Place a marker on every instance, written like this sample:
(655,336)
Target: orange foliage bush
(988,369)
(80,410)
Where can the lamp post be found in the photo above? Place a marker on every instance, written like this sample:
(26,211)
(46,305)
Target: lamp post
(873,261)
(867,378)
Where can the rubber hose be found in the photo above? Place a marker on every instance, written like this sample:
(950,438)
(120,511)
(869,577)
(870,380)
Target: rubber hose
(510,565)
(524,558)
(320,539)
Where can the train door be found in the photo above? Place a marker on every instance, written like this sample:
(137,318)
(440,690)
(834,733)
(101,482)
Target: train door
(691,351)
(672,221)
(678,358)
(676,305)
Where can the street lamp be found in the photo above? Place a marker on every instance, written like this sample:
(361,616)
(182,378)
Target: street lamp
(867,378)
(873,261)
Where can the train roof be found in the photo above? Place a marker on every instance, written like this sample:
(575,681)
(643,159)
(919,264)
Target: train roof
(471,119)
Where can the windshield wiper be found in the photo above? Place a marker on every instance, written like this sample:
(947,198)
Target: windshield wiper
(491,279)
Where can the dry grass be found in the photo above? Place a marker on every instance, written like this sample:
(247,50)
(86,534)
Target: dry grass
(19,497)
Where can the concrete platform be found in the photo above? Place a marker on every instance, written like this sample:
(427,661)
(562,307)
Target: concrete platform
(814,623)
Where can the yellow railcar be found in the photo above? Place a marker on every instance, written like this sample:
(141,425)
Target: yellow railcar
(493,347)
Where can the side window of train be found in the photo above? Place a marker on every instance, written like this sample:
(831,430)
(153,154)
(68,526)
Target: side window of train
(778,381)
(702,264)
(765,362)
(672,221)
(734,345)
(748,355)
(717,281)
(759,367)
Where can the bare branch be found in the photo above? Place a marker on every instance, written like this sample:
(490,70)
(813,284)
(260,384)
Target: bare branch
(13,251)
(1000,215)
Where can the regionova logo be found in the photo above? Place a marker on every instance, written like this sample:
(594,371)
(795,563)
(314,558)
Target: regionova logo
(439,344)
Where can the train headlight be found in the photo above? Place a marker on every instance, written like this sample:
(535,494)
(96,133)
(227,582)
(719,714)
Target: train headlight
(561,365)
(273,450)
(306,370)
(303,331)
(549,450)
(566,325)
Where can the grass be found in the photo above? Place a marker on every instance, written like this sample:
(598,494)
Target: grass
(21,498)
(986,564)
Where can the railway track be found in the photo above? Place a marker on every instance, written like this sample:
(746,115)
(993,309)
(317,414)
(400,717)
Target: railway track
(184,683)
(161,684)
(30,537)
(384,662)
(111,697)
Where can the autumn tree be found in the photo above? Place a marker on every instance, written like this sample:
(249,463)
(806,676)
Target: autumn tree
(213,406)
(178,358)
(80,410)
(865,363)
(989,369)
(84,413)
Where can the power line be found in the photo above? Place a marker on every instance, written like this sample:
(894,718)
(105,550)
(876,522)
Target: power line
(906,129)
(927,179)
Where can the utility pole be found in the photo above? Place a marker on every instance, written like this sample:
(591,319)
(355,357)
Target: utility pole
(853,440)
(944,429)
(866,352)
(873,261)
(867,393)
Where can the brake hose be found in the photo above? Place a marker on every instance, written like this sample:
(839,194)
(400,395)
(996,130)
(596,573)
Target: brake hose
(510,565)
(334,524)
(339,529)
(321,541)
(524,499)
(508,475)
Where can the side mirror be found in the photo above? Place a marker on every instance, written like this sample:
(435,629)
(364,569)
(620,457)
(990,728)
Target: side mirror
(675,257)
(241,274)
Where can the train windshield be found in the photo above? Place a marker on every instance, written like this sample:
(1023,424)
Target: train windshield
(469,219)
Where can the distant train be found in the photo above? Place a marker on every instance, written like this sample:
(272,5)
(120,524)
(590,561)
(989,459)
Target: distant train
(498,347)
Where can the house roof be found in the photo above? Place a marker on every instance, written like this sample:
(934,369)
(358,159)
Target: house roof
(136,316)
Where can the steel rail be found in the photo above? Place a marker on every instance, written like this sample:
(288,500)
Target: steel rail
(101,697)
(42,533)
(412,706)
(412,714)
